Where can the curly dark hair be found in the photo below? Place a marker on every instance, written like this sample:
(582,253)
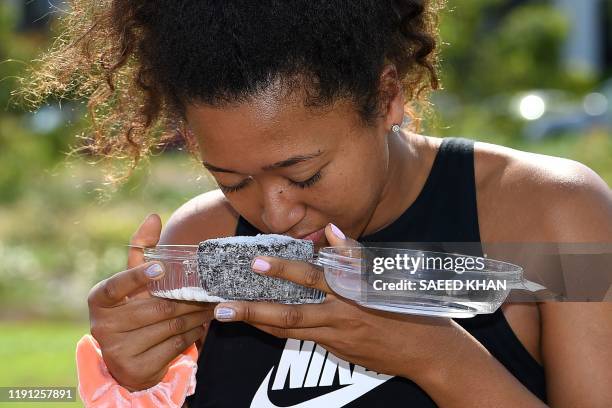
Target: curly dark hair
(139,62)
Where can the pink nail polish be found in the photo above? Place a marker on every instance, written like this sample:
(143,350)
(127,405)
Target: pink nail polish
(259,265)
(337,232)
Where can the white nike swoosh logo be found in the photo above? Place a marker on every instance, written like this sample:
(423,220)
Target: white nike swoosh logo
(334,399)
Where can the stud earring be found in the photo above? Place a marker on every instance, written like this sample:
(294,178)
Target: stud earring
(395,128)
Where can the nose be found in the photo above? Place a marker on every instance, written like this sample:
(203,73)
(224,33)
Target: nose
(280,210)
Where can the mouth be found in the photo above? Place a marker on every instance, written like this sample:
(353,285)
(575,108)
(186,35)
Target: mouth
(317,237)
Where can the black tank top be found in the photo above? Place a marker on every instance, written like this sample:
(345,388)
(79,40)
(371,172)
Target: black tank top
(241,366)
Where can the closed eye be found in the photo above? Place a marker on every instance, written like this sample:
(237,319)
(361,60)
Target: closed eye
(301,184)
(309,182)
(235,187)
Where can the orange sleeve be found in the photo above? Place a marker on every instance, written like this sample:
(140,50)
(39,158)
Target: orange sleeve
(98,388)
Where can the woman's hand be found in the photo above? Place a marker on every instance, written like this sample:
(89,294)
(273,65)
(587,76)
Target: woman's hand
(432,352)
(139,335)
(385,342)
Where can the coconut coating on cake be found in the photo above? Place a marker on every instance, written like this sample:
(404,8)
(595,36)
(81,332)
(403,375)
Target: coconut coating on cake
(224,265)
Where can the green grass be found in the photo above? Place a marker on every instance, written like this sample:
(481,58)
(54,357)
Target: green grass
(38,353)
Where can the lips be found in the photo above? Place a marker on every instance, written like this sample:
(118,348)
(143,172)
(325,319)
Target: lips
(316,236)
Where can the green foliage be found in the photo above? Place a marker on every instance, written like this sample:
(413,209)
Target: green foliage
(517,50)
(460,27)
(526,48)
(59,239)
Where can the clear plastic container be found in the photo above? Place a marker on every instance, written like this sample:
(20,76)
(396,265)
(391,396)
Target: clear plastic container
(429,288)
(349,273)
(183,281)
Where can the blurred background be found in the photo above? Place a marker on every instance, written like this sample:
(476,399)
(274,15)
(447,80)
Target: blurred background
(532,75)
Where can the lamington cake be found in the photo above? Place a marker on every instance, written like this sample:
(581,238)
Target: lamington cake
(224,267)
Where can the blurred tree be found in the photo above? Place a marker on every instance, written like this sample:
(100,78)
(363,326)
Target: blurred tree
(460,26)
(491,48)
(29,144)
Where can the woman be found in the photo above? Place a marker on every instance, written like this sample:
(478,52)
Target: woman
(294,108)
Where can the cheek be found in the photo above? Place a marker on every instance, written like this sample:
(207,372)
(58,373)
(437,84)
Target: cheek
(353,185)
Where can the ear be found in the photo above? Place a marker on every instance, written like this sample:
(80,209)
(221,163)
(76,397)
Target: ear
(392,97)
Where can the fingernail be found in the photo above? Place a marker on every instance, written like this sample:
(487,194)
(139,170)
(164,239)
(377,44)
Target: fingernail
(154,270)
(260,266)
(337,232)
(224,313)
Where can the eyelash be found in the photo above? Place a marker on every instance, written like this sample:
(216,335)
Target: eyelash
(301,184)
(307,183)
(233,189)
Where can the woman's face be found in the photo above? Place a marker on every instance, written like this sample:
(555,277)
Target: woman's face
(290,171)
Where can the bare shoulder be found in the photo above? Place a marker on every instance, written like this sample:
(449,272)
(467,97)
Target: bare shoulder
(524,195)
(527,197)
(206,216)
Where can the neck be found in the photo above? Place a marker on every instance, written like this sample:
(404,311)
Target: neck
(410,159)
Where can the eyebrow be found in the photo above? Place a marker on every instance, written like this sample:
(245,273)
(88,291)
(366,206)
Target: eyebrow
(281,164)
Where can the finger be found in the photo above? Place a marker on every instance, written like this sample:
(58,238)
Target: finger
(112,291)
(335,237)
(347,278)
(144,312)
(272,314)
(312,334)
(150,336)
(147,235)
(167,351)
(301,272)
